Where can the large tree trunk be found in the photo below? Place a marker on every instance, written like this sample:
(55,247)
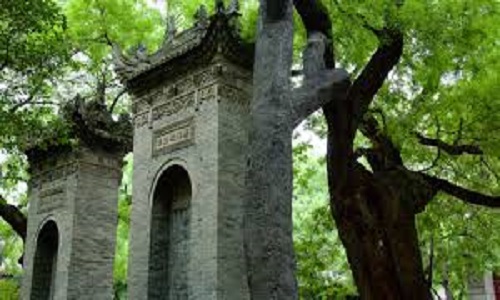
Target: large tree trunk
(268,220)
(374,212)
(274,111)
(376,222)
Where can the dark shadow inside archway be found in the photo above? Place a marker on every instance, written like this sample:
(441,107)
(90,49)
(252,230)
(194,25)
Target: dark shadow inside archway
(45,262)
(169,255)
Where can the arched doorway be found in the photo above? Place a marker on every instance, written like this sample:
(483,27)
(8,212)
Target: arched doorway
(45,262)
(170,235)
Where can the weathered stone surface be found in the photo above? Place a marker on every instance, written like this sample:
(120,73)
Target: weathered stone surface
(190,104)
(72,217)
(207,139)
(76,192)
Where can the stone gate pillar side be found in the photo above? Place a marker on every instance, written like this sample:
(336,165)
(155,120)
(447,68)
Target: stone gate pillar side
(95,223)
(234,100)
(72,221)
(190,103)
(139,236)
(51,191)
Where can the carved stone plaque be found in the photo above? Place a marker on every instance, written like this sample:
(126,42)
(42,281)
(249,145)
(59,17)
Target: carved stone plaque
(50,199)
(173,136)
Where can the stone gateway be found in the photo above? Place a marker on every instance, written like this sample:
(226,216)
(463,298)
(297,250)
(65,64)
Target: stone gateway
(190,104)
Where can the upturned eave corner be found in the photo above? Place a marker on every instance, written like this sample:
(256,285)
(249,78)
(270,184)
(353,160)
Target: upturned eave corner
(211,35)
(88,125)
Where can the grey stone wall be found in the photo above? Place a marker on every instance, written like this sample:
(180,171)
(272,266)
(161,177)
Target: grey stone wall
(198,122)
(79,192)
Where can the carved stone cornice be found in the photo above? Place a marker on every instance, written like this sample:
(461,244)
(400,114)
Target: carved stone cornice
(194,47)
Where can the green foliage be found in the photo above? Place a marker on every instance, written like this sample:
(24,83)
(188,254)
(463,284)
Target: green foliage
(126,22)
(122,233)
(9,289)
(322,269)
(446,86)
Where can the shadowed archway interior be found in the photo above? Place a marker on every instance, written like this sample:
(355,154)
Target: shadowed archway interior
(45,263)
(169,251)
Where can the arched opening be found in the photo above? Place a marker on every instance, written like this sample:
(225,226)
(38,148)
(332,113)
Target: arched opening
(170,235)
(45,262)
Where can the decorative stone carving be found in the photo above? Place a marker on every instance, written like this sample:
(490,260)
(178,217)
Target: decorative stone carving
(173,136)
(185,85)
(174,106)
(141,119)
(207,93)
(204,77)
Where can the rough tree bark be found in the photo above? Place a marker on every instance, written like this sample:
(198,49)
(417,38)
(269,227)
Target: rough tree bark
(275,110)
(375,210)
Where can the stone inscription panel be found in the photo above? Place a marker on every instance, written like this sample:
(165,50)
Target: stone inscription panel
(173,136)
(51,198)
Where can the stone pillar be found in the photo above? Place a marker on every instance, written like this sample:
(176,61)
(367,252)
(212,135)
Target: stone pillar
(190,102)
(72,223)
(189,185)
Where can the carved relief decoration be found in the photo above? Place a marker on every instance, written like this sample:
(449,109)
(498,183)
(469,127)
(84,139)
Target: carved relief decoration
(141,119)
(207,93)
(176,105)
(235,96)
(173,136)
(51,198)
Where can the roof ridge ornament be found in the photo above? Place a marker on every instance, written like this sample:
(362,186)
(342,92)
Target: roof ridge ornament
(233,8)
(201,16)
(219,6)
(171,29)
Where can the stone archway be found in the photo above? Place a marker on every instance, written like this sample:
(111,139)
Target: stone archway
(45,262)
(169,251)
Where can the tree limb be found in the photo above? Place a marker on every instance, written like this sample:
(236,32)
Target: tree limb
(14,217)
(115,101)
(28,100)
(385,153)
(316,19)
(373,76)
(321,86)
(461,193)
(276,9)
(449,148)
(326,86)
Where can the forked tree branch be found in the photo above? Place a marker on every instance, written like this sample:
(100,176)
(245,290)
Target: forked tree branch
(461,193)
(373,76)
(316,19)
(449,148)
(117,98)
(320,85)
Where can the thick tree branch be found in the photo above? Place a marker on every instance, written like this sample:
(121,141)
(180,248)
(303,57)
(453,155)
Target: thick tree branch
(321,86)
(316,19)
(117,98)
(449,148)
(461,193)
(14,217)
(373,76)
(384,154)
(276,10)
(327,86)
